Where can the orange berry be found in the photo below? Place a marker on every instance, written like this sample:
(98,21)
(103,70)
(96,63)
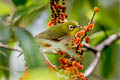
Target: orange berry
(91,25)
(74,63)
(81,33)
(87,39)
(77,40)
(66,61)
(61,66)
(81,45)
(81,75)
(78,34)
(79,66)
(96,9)
(50,23)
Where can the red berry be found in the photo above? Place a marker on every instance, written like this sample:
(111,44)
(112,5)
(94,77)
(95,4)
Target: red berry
(87,39)
(61,66)
(60,59)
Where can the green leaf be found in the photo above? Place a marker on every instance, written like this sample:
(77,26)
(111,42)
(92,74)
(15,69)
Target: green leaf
(53,58)
(3,53)
(30,48)
(19,2)
(43,74)
(4,8)
(28,15)
(108,61)
(97,38)
(4,63)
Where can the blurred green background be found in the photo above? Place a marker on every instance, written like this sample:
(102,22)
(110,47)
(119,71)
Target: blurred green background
(33,16)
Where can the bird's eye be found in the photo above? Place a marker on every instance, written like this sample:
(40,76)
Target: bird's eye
(71,27)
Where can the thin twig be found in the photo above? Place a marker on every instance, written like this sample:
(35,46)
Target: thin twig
(45,57)
(92,19)
(9,48)
(88,47)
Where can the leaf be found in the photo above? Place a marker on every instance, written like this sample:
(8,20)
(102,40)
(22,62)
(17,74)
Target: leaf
(97,37)
(19,2)
(29,15)
(4,8)
(43,74)
(30,48)
(108,61)
(4,63)
(53,58)
(4,33)
(3,53)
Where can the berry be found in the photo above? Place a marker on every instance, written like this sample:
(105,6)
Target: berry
(77,40)
(87,39)
(96,9)
(66,61)
(79,66)
(74,63)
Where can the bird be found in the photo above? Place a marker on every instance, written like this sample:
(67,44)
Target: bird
(61,33)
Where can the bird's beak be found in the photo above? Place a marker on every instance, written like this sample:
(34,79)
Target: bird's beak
(78,26)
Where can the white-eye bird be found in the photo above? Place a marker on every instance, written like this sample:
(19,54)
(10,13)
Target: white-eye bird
(62,33)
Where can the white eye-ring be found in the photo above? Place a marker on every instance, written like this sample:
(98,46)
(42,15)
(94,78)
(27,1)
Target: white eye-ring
(71,27)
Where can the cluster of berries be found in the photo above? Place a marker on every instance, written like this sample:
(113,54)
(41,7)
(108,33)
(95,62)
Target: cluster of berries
(77,40)
(58,12)
(72,68)
(79,37)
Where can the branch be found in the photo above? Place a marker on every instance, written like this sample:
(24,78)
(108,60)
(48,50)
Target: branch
(108,41)
(9,48)
(93,65)
(99,49)
(88,47)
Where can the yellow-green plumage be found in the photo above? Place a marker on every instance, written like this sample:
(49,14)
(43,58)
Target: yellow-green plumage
(59,31)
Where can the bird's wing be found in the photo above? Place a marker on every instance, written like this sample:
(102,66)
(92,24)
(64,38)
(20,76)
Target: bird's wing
(52,33)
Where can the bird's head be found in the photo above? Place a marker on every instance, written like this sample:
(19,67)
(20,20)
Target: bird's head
(71,28)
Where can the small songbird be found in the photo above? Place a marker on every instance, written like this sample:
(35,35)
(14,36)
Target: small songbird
(62,33)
